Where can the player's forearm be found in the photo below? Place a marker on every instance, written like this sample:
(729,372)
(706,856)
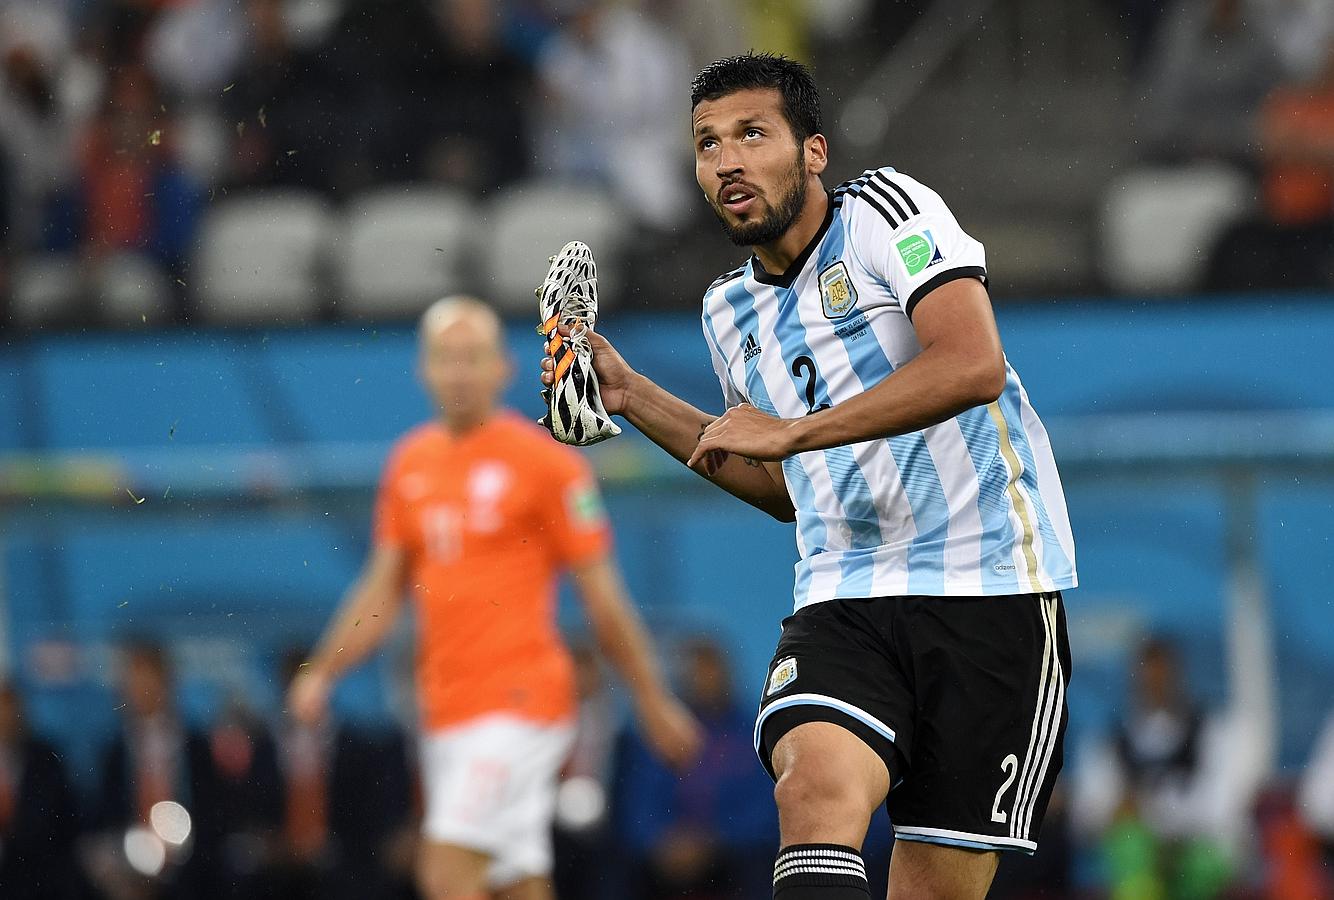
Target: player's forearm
(358,629)
(930,389)
(675,426)
(622,638)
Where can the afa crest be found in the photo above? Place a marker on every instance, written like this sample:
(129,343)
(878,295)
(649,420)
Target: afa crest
(837,294)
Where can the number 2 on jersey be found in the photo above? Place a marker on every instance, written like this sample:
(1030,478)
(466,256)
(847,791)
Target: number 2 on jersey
(806,364)
(1010,766)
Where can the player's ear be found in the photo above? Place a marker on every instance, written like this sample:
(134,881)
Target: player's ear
(817,154)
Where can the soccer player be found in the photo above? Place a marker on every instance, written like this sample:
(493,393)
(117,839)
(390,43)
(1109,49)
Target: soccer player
(478,512)
(870,401)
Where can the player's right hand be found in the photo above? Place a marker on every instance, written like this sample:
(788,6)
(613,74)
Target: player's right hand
(672,731)
(308,696)
(613,372)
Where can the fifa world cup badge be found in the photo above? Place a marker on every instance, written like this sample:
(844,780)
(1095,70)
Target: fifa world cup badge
(836,291)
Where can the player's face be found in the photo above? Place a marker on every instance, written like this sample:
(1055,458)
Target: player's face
(749,164)
(464,368)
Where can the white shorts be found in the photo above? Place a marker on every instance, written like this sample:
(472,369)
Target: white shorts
(490,785)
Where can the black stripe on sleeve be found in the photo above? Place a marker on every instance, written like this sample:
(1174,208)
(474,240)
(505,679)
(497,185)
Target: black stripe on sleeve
(723,279)
(904,194)
(893,223)
(943,278)
(886,196)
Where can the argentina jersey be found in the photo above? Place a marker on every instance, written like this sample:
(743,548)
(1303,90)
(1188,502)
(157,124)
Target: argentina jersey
(971,506)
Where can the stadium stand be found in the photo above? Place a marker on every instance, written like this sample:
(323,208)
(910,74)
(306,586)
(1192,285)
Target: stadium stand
(402,247)
(1159,224)
(261,258)
(527,222)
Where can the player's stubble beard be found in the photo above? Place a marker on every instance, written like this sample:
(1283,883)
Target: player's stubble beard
(781,215)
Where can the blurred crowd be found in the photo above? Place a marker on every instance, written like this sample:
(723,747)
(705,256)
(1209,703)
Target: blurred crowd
(1164,804)
(249,807)
(121,121)
(1246,85)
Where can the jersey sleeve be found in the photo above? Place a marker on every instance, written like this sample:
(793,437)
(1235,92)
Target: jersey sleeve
(575,516)
(909,238)
(390,520)
(731,396)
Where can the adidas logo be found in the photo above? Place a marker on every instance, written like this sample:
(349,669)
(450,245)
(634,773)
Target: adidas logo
(750,349)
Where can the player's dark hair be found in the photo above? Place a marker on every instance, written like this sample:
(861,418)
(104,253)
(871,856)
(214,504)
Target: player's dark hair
(760,71)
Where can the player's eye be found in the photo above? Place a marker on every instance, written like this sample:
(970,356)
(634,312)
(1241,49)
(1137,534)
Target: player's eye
(707,144)
(753,132)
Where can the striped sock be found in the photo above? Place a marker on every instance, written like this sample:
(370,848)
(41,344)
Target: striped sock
(820,872)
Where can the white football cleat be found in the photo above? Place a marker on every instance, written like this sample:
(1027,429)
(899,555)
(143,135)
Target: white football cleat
(569,296)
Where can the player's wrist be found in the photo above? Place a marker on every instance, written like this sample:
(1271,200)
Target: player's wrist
(632,396)
(797,435)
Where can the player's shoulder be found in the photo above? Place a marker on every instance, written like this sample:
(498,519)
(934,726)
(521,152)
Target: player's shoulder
(884,197)
(723,280)
(534,445)
(417,440)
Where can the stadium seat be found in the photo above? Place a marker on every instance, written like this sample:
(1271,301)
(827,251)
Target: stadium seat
(46,290)
(1160,224)
(131,290)
(531,221)
(261,258)
(401,248)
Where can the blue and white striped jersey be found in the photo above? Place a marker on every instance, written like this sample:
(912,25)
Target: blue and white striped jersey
(971,506)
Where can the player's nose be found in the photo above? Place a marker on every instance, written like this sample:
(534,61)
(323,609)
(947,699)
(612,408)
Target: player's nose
(729,164)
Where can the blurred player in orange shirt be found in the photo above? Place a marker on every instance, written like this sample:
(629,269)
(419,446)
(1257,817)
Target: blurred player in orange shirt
(479,512)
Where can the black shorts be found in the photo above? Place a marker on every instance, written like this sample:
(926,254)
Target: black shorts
(962,697)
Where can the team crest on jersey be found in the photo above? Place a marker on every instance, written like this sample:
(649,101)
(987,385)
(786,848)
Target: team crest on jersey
(783,674)
(836,291)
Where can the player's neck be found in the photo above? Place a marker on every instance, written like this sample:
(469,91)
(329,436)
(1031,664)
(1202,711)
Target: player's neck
(460,426)
(778,256)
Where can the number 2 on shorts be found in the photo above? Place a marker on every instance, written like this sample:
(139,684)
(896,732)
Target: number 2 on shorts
(1009,765)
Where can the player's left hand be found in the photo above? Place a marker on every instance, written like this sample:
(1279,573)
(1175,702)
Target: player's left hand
(671,730)
(746,431)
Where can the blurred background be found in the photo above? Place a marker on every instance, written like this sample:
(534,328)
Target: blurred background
(220,218)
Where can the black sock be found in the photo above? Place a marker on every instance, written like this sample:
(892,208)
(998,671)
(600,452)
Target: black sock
(820,872)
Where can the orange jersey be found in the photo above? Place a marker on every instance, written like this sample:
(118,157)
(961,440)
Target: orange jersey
(487,522)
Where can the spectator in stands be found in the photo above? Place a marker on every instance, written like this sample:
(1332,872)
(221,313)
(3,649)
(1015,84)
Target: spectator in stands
(1211,65)
(1291,244)
(152,768)
(275,109)
(1315,794)
(249,803)
(612,84)
(39,113)
(711,832)
(38,817)
(1157,796)
(474,91)
(349,819)
(582,807)
(131,194)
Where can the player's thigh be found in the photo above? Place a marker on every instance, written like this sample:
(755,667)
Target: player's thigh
(451,872)
(991,674)
(920,871)
(829,783)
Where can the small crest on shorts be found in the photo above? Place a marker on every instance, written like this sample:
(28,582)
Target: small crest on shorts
(783,674)
(836,291)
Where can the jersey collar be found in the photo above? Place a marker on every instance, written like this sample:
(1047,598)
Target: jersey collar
(785,280)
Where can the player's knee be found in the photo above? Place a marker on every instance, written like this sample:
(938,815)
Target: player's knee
(806,793)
